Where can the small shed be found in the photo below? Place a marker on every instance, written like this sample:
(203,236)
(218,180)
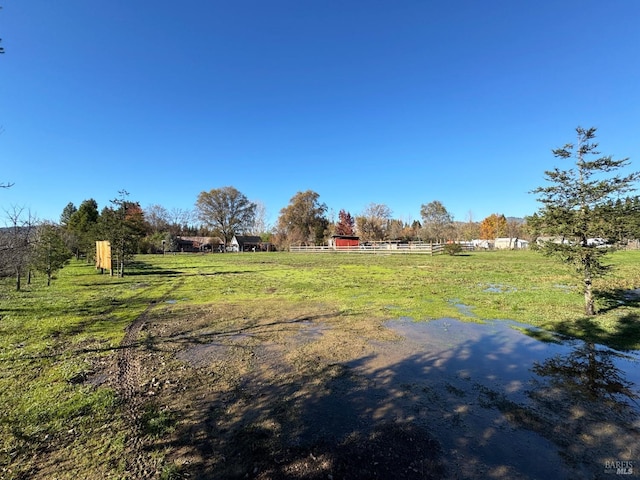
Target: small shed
(510,243)
(481,243)
(245,243)
(341,241)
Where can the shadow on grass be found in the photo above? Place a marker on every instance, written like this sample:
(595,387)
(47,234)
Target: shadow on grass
(616,298)
(139,268)
(623,337)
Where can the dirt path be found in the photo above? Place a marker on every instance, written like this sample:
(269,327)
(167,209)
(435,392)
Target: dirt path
(129,375)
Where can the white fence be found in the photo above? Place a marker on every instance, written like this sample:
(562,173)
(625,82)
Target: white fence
(383,248)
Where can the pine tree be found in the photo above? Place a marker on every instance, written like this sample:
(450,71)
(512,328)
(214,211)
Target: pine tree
(81,228)
(49,253)
(573,207)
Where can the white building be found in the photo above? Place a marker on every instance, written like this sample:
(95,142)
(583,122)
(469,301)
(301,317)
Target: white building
(510,243)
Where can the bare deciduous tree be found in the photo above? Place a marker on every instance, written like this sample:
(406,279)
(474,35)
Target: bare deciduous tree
(372,223)
(157,217)
(179,220)
(260,225)
(15,242)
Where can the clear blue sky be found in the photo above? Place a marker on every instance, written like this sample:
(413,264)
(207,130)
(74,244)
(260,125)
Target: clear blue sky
(393,102)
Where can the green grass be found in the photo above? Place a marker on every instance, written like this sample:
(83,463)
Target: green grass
(51,338)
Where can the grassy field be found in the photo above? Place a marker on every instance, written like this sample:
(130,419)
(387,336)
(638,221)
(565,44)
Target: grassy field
(59,417)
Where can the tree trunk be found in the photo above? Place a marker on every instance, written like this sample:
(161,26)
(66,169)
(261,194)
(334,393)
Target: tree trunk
(589,308)
(122,254)
(17,279)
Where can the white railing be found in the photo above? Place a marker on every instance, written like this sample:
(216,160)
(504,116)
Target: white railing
(384,248)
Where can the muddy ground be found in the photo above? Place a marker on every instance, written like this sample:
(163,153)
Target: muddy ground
(272,392)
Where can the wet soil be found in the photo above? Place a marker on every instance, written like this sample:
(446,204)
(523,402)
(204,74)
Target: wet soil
(235,391)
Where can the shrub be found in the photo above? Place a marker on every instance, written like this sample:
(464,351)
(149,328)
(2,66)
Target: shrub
(453,248)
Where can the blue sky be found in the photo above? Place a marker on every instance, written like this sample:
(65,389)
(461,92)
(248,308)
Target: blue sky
(391,102)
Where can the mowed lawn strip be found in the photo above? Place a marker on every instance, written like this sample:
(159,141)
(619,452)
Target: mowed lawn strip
(52,338)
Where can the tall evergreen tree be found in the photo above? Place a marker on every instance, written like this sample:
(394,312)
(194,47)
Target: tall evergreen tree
(81,228)
(49,252)
(67,213)
(573,207)
(622,222)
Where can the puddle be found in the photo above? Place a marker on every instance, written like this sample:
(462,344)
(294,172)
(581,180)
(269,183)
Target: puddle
(506,405)
(632,295)
(462,308)
(498,352)
(309,331)
(564,288)
(499,288)
(203,354)
(97,379)
(173,301)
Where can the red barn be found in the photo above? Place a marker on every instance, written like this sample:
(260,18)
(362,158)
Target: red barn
(341,241)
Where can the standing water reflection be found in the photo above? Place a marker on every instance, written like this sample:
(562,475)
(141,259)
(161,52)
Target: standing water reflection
(504,402)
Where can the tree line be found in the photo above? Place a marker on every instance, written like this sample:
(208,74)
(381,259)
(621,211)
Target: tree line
(576,210)
(220,213)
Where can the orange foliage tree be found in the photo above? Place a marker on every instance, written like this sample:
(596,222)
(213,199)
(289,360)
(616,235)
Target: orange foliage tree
(494,226)
(346,223)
